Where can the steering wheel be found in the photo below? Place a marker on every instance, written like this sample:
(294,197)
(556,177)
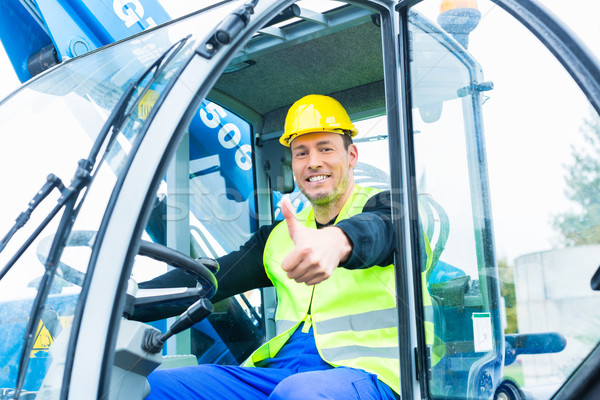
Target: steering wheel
(203,269)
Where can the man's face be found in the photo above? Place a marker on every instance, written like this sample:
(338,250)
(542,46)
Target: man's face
(322,166)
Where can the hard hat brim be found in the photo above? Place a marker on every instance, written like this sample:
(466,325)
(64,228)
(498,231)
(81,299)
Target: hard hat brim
(286,140)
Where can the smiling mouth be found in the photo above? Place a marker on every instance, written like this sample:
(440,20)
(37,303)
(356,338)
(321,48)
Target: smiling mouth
(317,178)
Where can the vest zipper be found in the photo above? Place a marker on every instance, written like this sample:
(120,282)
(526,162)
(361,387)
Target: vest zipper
(307,324)
(308,317)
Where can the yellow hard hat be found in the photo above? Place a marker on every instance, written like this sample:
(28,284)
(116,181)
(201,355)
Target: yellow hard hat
(316,113)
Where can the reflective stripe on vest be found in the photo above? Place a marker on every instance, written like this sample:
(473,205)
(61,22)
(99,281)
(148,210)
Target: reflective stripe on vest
(357,322)
(378,319)
(349,352)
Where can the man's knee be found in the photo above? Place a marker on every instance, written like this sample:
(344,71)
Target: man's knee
(302,386)
(337,383)
(293,387)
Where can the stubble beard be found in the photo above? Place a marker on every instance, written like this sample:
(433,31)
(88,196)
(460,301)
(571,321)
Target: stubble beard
(328,200)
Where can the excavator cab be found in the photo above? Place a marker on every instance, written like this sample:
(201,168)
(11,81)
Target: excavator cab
(161,151)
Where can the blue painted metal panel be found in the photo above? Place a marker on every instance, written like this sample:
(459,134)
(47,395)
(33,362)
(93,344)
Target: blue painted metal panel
(14,316)
(21,35)
(78,26)
(215,131)
(73,26)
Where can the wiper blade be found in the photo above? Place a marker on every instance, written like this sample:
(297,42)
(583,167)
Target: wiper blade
(52,181)
(83,177)
(122,112)
(83,174)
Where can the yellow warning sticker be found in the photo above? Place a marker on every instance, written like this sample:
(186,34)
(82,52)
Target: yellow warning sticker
(146,103)
(43,339)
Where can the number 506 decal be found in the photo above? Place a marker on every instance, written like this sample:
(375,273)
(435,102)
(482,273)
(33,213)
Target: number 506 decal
(229,134)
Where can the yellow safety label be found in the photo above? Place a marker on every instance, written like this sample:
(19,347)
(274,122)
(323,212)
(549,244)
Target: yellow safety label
(146,103)
(43,338)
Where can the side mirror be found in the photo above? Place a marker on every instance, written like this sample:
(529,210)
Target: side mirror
(595,282)
(532,343)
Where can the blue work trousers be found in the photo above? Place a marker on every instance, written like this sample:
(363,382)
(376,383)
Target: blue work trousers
(297,372)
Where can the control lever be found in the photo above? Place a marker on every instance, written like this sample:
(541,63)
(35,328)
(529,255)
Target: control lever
(154,340)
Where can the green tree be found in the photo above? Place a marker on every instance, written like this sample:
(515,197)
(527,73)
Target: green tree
(506,274)
(583,187)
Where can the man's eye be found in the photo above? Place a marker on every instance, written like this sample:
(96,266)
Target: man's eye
(301,154)
(325,149)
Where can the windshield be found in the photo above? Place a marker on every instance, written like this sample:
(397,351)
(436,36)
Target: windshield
(46,127)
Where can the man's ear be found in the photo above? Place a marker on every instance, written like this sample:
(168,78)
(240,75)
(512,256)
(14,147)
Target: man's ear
(352,155)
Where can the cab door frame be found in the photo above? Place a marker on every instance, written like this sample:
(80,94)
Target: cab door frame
(575,57)
(583,67)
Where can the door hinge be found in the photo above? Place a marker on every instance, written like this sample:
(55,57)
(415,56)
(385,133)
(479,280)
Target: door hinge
(416,364)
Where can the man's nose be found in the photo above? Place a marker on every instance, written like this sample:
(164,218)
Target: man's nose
(314,160)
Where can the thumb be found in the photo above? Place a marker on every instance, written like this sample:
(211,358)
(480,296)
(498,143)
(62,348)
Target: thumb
(290,217)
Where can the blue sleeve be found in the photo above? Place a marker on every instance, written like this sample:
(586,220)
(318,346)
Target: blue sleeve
(372,234)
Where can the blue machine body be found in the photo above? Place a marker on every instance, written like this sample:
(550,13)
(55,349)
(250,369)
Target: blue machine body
(72,27)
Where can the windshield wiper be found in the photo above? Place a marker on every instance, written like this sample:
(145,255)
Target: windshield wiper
(52,181)
(83,176)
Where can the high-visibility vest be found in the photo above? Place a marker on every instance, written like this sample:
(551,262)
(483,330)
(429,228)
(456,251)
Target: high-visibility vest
(353,313)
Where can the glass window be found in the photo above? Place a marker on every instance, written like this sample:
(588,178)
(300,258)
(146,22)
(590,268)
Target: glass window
(514,239)
(46,127)
(205,207)
(458,292)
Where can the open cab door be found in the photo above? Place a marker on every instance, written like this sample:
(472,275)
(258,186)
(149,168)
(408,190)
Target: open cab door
(486,133)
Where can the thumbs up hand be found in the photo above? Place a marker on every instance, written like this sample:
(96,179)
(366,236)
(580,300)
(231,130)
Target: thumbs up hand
(318,252)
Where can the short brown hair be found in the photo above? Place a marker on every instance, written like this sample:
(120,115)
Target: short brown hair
(347,139)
